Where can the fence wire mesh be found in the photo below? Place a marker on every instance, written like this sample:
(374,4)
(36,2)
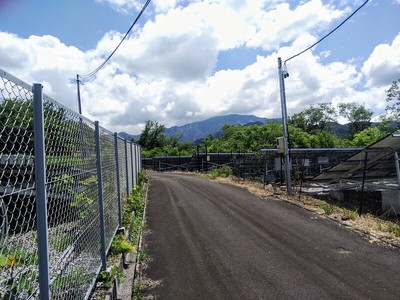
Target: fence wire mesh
(122,159)
(129,169)
(73,213)
(18,251)
(108,165)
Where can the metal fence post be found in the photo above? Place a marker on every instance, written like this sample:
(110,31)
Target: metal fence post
(132,168)
(137,163)
(126,169)
(140,158)
(41,198)
(118,180)
(101,207)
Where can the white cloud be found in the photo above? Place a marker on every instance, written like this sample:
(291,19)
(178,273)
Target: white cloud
(383,65)
(42,59)
(283,24)
(166,70)
(17,51)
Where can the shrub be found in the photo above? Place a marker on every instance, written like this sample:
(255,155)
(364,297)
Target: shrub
(327,208)
(135,200)
(107,277)
(120,245)
(143,177)
(220,172)
(395,229)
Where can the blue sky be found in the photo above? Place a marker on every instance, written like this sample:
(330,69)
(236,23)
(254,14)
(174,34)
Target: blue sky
(190,60)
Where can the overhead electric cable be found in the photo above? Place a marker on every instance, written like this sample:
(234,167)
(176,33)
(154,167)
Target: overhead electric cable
(112,53)
(320,40)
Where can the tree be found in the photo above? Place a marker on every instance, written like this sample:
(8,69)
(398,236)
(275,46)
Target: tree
(315,119)
(393,98)
(367,137)
(385,125)
(358,116)
(152,135)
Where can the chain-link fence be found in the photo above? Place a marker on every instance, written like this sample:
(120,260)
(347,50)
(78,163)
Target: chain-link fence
(63,178)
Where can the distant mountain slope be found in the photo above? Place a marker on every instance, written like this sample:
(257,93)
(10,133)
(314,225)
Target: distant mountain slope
(200,130)
(197,131)
(128,136)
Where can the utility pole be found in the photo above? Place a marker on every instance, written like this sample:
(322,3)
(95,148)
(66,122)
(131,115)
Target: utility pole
(282,76)
(78,82)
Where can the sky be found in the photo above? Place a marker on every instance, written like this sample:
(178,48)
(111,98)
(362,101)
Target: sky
(186,61)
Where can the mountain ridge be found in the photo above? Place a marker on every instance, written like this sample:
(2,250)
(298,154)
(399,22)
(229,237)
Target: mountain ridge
(199,130)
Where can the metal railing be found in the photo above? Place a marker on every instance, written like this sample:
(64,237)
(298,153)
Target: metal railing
(62,181)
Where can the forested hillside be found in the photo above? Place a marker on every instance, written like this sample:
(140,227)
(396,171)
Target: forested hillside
(315,127)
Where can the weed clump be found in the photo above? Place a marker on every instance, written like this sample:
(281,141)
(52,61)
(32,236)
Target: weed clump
(395,229)
(327,208)
(220,172)
(120,245)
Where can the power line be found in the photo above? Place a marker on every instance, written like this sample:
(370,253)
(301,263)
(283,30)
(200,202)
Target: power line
(112,53)
(332,31)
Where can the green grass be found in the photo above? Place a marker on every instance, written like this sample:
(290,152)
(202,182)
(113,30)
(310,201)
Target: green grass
(327,208)
(138,289)
(120,245)
(395,229)
(219,172)
(351,214)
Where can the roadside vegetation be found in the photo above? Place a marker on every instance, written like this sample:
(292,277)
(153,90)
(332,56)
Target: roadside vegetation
(126,242)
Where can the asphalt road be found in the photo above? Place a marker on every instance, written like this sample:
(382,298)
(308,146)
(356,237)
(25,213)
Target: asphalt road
(214,241)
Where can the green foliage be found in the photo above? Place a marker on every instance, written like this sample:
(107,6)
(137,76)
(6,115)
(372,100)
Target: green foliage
(327,208)
(350,214)
(60,242)
(142,254)
(135,200)
(16,121)
(22,281)
(153,136)
(14,262)
(134,203)
(395,229)
(220,172)
(77,276)
(314,127)
(143,177)
(138,290)
(17,258)
(107,277)
(136,227)
(358,116)
(127,216)
(367,137)
(82,200)
(393,99)
(120,245)
(315,118)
